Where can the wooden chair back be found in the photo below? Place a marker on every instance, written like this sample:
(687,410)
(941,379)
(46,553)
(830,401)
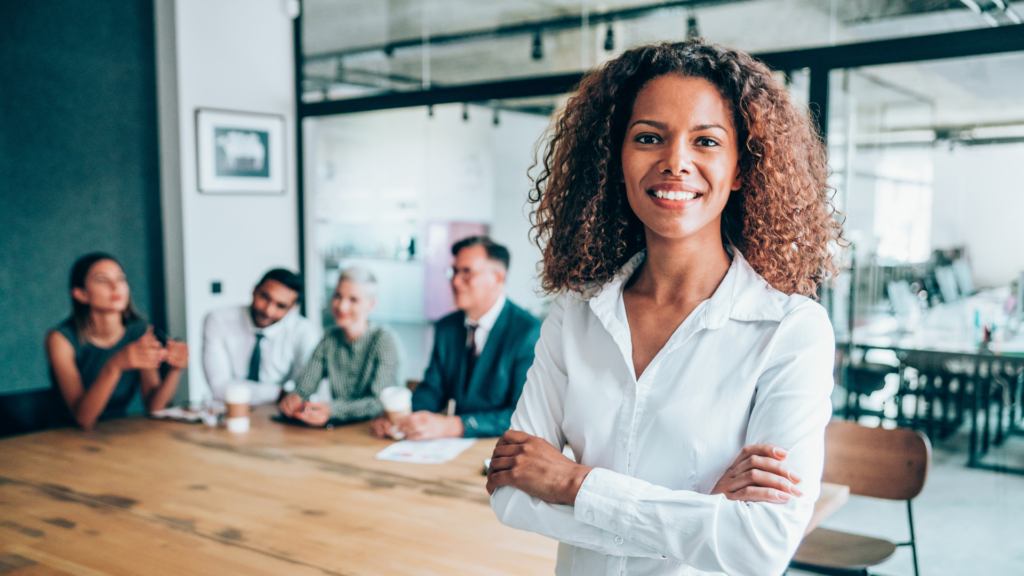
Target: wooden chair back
(876,462)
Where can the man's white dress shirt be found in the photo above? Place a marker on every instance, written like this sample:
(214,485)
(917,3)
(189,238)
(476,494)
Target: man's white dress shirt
(229,337)
(485,324)
(750,365)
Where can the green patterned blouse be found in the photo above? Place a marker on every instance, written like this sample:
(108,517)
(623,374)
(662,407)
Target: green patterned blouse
(357,372)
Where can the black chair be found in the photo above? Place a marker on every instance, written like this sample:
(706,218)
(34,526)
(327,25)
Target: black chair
(25,412)
(862,380)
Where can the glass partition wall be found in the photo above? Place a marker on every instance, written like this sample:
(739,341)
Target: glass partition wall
(925,158)
(921,153)
(392,190)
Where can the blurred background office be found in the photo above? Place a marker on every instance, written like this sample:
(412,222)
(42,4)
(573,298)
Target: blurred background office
(401,126)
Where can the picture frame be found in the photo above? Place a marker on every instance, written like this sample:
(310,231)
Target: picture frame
(240,152)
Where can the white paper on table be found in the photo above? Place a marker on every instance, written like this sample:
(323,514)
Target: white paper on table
(175,413)
(426,451)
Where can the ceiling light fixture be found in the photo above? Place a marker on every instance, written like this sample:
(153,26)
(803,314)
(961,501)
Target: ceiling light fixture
(980,12)
(538,46)
(1008,11)
(609,39)
(465,112)
(692,31)
(496,119)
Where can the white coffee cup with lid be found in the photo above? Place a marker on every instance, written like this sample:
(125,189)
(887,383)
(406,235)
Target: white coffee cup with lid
(237,398)
(397,402)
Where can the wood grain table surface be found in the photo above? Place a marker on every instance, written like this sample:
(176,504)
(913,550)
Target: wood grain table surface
(139,496)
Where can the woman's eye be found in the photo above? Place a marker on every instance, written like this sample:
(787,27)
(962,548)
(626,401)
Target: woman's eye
(705,141)
(647,139)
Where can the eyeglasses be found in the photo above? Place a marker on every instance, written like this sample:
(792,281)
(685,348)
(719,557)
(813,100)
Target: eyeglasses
(465,273)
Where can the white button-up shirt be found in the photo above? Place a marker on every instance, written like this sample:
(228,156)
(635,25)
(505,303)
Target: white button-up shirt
(485,324)
(229,337)
(750,365)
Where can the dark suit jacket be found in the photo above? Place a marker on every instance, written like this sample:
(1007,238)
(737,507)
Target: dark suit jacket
(485,401)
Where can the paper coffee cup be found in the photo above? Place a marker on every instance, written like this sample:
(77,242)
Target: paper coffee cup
(237,398)
(397,402)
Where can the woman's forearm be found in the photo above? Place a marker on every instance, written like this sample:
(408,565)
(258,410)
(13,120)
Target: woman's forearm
(159,398)
(91,404)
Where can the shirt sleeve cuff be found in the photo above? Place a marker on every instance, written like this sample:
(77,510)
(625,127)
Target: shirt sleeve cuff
(607,500)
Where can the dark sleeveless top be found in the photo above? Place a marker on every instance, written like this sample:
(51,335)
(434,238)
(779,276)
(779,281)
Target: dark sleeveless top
(90,360)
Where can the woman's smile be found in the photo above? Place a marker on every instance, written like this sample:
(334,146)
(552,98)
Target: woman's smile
(672,196)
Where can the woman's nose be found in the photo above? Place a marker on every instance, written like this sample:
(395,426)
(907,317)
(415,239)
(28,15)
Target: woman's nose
(677,159)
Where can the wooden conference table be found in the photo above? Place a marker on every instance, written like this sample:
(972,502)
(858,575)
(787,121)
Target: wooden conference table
(139,496)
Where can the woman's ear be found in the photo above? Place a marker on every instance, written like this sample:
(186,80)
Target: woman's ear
(737,181)
(80,295)
(371,306)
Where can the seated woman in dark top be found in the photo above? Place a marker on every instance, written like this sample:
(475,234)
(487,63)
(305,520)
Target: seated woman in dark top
(106,351)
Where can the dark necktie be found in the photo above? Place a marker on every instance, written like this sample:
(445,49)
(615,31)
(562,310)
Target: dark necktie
(470,350)
(254,361)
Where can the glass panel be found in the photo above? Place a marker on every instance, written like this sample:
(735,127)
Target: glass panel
(924,159)
(392,190)
(357,48)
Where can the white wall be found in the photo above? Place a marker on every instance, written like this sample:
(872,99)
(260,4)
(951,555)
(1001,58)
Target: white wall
(405,168)
(232,55)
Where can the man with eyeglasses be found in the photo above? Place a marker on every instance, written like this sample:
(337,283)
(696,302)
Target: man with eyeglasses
(481,353)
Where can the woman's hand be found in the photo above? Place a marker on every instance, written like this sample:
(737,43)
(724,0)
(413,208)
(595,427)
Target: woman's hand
(534,466)
(177,354)
(758,475)
(381,426)
(423,425)
(290,405)
(314,413)
(142,354)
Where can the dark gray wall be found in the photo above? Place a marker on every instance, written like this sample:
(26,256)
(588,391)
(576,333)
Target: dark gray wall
(78,164)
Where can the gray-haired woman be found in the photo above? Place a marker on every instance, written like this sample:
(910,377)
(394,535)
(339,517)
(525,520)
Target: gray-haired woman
(358,358)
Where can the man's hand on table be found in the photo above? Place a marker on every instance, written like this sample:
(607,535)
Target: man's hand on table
(425,425)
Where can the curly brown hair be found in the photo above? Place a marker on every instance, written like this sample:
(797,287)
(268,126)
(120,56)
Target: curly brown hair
(781,219)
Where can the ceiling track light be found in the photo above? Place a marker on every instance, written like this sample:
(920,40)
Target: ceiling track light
(465,112)
(609,39)
(496,120)
(692,31)
(997,6)
(538,46)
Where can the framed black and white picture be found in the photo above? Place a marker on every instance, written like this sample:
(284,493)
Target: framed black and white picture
(240,152)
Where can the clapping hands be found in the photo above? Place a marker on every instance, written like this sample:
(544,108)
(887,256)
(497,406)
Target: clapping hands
(148,353)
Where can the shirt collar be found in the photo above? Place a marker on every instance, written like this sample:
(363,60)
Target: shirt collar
(742,295)
(487,321)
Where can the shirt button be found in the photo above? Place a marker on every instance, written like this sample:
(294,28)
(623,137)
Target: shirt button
(590,515)
(623,441)
(618,540)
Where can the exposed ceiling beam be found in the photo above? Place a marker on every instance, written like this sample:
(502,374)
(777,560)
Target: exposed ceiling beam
(522,28)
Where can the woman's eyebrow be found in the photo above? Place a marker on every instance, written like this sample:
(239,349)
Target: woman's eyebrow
(700,127)
(658,125)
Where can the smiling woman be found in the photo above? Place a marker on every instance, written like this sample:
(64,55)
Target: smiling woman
(684,217)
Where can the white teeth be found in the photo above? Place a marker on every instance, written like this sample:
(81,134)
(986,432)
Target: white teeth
(665,195)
